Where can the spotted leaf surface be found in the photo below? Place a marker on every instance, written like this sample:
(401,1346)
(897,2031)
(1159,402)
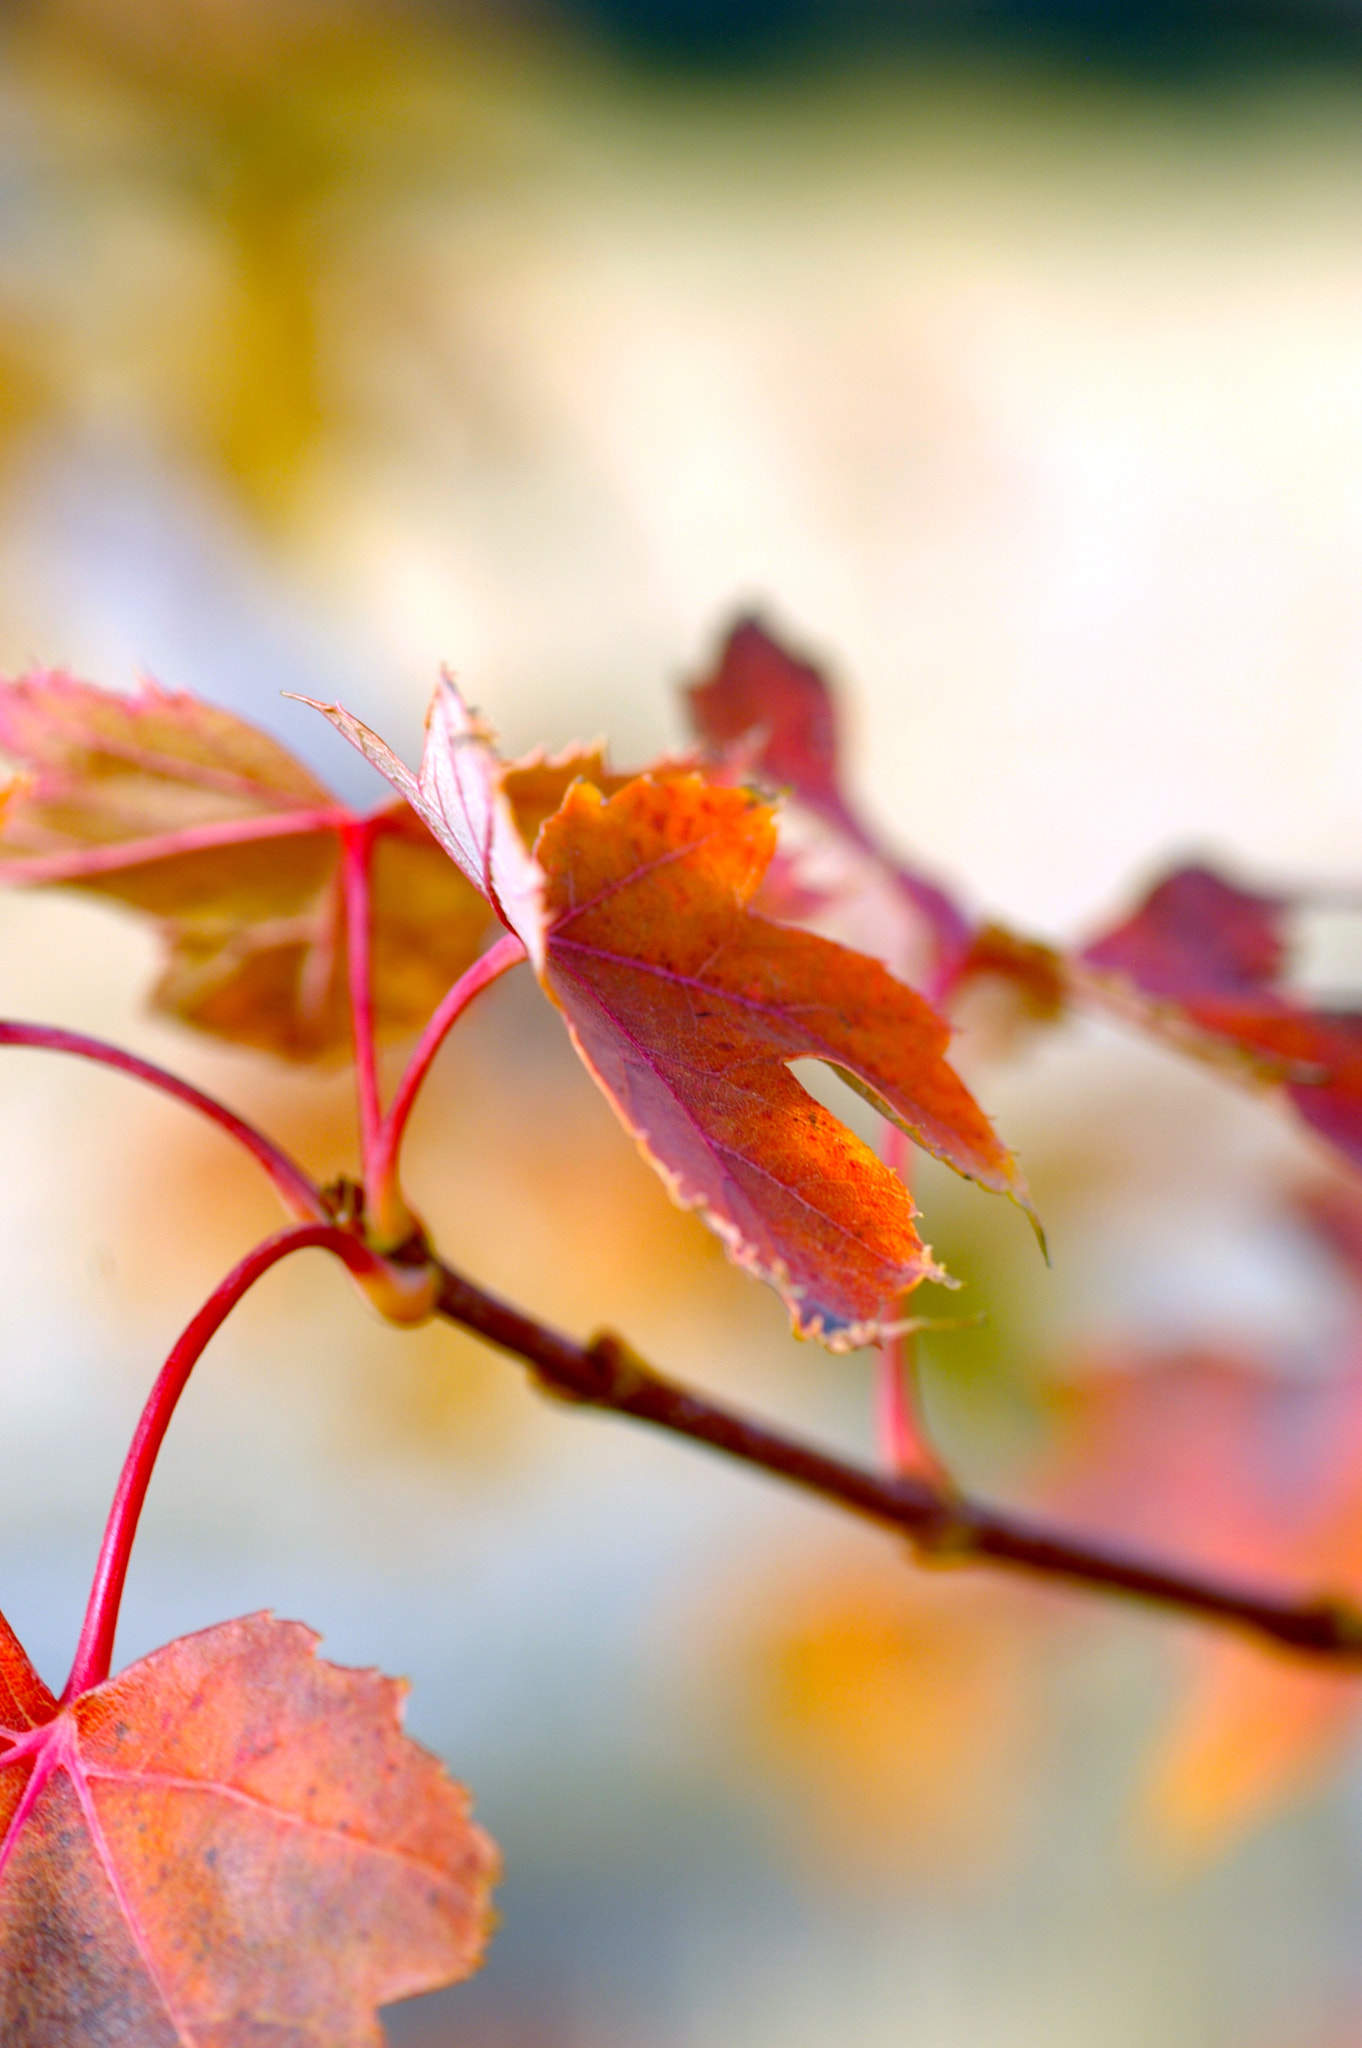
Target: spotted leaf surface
(230,1845)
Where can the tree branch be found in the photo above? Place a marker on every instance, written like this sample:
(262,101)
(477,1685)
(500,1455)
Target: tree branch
(944,1527)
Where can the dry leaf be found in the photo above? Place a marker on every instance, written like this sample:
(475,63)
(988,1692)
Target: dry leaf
(229,1845)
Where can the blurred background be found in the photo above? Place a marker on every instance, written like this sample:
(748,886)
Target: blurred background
(1010,357)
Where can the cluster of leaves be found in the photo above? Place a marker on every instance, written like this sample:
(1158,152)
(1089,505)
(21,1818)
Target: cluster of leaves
(1204,1455)
(900,1720)
(673,936)
(1201,961)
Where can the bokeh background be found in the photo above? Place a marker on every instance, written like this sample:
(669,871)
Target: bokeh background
(1010,357)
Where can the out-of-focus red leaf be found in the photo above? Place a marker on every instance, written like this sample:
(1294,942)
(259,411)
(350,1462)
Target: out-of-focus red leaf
(775,716)
(189,814)
(229,1845)
(1229,1468)
(688,1009)
(1198,1455)
(1202,961)
(1196,931)
(780,709)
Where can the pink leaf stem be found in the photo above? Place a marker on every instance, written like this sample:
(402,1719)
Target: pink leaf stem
(507,952)
(357,841)
(902,1436)
(299,1193)
(94,1652)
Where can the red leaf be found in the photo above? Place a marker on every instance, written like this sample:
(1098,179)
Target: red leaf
(230,1844)
(1219,1464)
(688,1008)
(1202,961)
(1196,932)
(778,714)
(185,812)
(779,709)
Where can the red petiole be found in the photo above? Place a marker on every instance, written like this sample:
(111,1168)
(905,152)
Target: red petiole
(381,1175)
(299,1192)
(904,1443)
(390,1220)
(357,841)
(94,1652)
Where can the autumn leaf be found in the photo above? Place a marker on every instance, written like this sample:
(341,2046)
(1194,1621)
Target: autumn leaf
(780,710)
(536,785)
(187,813)
(1033,972)
(1199,1454)
(1203,962)
(231,1844)
(775,716)
(688,1008)
(1230,1468)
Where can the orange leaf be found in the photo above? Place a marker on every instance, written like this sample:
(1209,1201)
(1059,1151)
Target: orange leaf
(230,1843)
(1254,1729)
(536,786)
(896,1712)
(1033,972)
(688,1008)
(186,812)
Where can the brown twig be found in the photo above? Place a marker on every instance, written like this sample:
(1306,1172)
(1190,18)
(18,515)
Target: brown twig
(944,1527)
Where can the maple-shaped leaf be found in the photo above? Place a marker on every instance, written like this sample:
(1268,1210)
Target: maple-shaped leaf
(1203,961)
(232,1844)
(536,785)
(188,813)
(776,715)
(688,1009)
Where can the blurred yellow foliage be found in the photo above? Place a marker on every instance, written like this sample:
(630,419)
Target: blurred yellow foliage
(896,1710)
(1251,1731)
(212,183)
